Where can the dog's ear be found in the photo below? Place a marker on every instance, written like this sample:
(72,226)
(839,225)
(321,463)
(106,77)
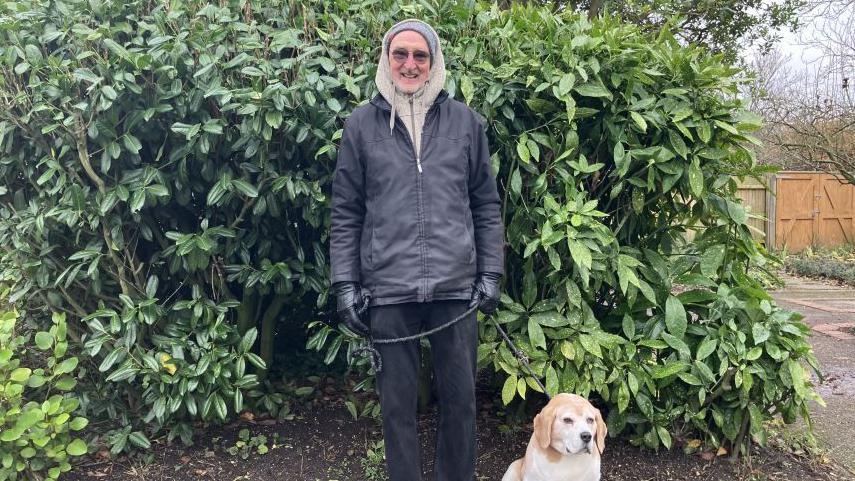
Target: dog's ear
(602,430)
(543,426)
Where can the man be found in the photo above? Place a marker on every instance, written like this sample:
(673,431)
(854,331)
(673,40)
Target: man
(416,223)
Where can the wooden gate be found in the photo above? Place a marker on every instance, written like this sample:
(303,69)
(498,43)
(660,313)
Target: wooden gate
(813,209)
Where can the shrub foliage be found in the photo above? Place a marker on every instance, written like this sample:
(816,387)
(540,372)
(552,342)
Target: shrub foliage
(167,168)
(37,401)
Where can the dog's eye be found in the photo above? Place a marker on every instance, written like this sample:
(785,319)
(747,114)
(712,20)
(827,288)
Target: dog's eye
(568,420)
(590,420)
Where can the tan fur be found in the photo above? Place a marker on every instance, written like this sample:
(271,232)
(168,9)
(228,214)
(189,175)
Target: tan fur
(602,430)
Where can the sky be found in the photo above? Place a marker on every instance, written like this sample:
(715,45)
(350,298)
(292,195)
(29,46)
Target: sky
(801,57)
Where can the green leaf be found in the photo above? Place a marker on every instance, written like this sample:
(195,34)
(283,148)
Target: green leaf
(754,353)
(737,212)
(678,144)
(522,152)
(760,333)
(706,348)
(639,121)
(591,345)
(248,340)
(333,105)
(351,408)
(711,259)
(20,374)
(567,350)
(245,188)
(139,439)
(76,447)
(644,404)
(531,247)
(493,93)
(467,87)
(704,132)
(628,326)
(675,317)
(65,383)
(109,92)
(550,319)
(219,406)
(696,178)
(29,417)
(10,434)
(535,334)
(596,90)
(273,118)
(509,389)
(255,360)
(116,355)
(670,369)
(797,374)
(574,295)
(551,380)
(580,253)
(566,83)
(516,182)
(678,345)
(664,436)
(44,340)
(86,75)
(623,397)
(78,423)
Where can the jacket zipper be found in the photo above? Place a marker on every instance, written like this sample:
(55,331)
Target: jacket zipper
(423,245)
(413,125)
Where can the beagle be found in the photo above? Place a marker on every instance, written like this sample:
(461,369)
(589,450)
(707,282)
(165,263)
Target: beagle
(569,437)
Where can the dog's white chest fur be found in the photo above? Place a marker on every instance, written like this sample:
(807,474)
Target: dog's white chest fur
(580,467)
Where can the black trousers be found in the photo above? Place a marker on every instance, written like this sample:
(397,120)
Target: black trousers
(453,352)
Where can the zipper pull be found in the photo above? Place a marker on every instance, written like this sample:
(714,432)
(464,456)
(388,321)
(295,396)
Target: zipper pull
(419,164)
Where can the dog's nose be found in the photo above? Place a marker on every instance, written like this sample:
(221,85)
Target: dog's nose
(586,437)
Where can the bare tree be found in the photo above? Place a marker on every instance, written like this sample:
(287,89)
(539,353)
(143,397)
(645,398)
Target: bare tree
(810,115)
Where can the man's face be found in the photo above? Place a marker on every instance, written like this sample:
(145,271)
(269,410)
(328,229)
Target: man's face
(409,61)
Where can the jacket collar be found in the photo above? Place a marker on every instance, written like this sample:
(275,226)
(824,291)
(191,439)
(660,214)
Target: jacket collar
(381,103)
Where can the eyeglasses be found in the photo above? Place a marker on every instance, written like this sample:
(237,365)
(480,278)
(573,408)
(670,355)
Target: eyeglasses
(419,56)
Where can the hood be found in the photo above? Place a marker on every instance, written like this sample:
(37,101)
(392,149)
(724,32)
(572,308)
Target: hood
(428,93)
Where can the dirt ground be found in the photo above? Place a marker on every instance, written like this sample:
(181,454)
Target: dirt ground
(324,443)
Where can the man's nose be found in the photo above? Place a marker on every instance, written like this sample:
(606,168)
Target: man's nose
(586,437)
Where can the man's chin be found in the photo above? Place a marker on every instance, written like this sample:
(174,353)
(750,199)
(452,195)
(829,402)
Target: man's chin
(408,88)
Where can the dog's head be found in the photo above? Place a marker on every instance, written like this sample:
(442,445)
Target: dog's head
(570,425)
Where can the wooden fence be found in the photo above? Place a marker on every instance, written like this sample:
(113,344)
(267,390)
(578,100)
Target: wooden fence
(801,209)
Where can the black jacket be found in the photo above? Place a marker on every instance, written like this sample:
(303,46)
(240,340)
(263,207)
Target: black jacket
(408,236)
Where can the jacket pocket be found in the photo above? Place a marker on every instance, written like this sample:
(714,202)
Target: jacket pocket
(470,237)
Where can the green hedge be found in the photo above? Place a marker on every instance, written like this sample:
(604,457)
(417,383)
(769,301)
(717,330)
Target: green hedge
(167,171)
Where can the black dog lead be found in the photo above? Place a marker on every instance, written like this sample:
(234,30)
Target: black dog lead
(368,350)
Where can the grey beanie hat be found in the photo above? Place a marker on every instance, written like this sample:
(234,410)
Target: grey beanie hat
(417,26)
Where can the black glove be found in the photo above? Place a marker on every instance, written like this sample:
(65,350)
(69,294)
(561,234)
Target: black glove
(485,292)
(351,303)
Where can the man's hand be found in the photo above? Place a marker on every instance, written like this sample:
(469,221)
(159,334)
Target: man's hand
(350,304)
(485,292)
